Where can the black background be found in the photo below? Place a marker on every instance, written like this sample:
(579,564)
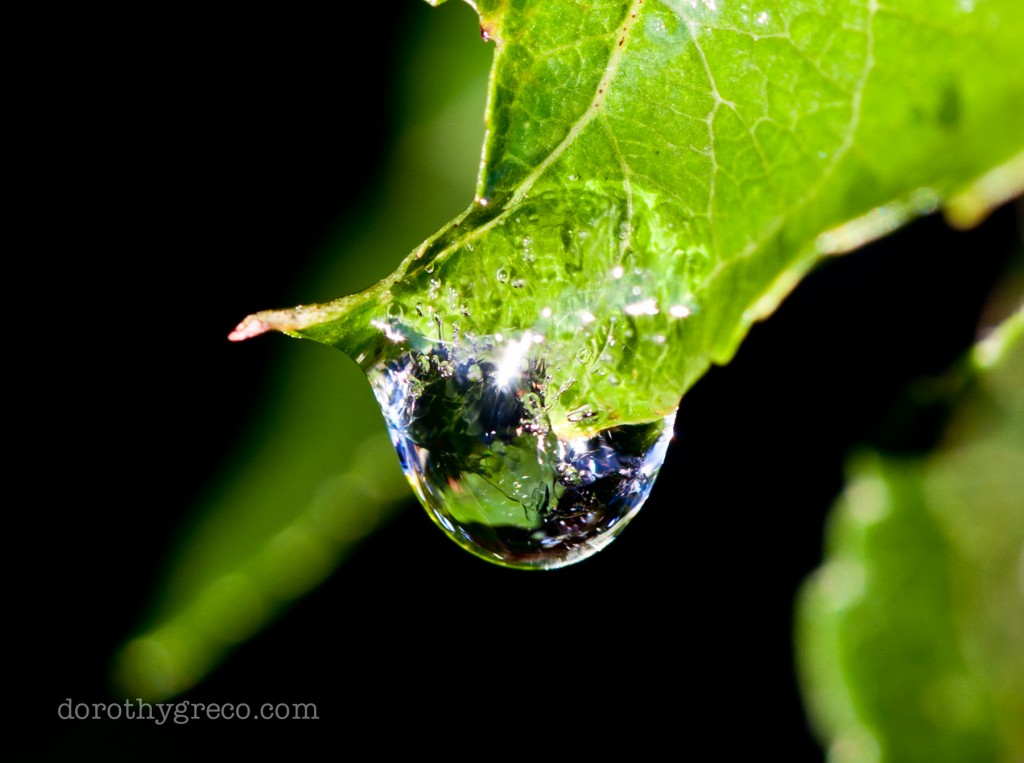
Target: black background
(155,160)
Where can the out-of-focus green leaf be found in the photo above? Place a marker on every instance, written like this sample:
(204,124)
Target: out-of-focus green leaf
(319,473)
(911,635)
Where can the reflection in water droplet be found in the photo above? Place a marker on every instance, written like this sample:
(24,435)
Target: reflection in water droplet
(474,435)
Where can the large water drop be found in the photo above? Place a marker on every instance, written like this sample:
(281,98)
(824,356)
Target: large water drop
(473,426)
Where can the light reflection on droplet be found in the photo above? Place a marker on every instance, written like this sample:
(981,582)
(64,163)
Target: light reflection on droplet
(511,365)
(679,311)
(389,331)
(644,307)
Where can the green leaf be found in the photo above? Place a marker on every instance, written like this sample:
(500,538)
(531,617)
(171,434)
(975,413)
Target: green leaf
(713,157)
(911,635)
(658,175)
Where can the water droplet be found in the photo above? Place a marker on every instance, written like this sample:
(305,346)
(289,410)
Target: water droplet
(518,283)
(502,275)
(582,414)
(475,438)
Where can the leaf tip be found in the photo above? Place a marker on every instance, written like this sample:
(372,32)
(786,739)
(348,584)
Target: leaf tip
(250,326)
(286,321)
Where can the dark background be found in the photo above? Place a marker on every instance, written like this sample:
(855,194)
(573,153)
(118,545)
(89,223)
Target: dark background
(156,164)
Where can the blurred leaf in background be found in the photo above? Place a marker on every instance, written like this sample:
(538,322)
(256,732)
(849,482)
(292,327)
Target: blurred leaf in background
(911,635)
(321,473)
